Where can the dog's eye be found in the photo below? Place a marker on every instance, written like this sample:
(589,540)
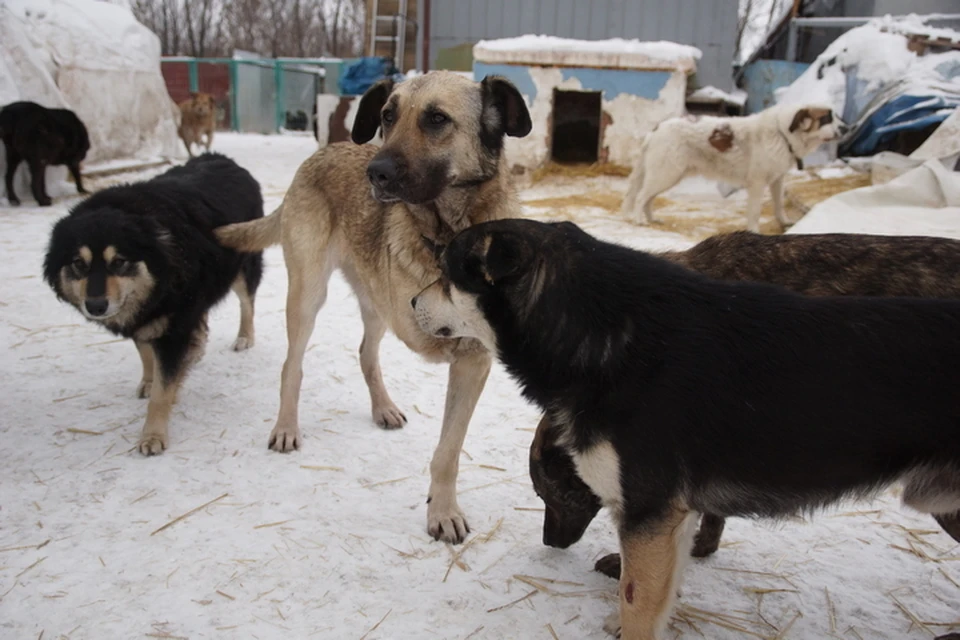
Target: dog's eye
(438,118)
(118,264)
(387,117)
(79,265)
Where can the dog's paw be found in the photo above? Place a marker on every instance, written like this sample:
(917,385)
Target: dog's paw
(389,416)
(612,624)
(13,200)
(447,525)
(143,389)
(152,444)
(243,343)
(44,202)
(609,565)
(284,438)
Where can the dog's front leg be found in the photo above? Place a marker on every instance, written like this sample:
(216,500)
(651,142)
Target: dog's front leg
(445,520)
(13,161)
(169,356)
(77,178)
(653,560)
(145,349)
(754,206)
(38,175)
(776,193)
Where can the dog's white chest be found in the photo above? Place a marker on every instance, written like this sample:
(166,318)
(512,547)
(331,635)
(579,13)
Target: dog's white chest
(599,467)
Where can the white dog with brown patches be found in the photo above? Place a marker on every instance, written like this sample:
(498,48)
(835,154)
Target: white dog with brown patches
(752,151)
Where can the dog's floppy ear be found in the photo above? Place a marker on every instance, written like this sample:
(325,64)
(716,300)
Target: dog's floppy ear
(802,119)
(504,111)
(368,113)
(500,255)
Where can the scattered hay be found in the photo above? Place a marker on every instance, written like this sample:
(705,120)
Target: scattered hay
(374,627)
(607,201)
(595,170)
(515,602)
(189,513)
(804,194)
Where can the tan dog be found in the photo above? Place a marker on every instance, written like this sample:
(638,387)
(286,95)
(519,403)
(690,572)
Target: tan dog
(198,117)
(754,152)
(367,211)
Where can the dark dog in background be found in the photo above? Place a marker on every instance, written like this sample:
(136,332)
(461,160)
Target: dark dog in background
(820,265)
(677,394)
(142,260)
(42,137)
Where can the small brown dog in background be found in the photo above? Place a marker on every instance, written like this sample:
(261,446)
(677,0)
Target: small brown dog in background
(198,117)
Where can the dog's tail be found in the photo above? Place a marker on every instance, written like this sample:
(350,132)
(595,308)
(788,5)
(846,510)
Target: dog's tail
(255,235)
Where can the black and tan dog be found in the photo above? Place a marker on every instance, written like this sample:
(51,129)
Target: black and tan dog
(142,260)
(42,137)
(363,210)
(821,265)
(677,394)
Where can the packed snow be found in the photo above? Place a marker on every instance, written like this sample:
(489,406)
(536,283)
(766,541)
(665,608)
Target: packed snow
(330,541)
(615,52)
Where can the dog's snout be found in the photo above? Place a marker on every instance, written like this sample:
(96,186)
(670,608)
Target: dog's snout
(413,301)
(96,306)
(382,171)
(842,128)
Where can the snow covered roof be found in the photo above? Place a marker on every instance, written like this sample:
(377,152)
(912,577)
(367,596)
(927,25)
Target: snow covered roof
(616,52)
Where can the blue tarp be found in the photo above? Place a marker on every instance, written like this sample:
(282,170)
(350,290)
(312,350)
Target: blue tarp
(879,113)
(361,75)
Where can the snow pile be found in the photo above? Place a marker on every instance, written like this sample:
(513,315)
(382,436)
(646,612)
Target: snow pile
(710,93)
(877,52)
(615,52)
(96,59)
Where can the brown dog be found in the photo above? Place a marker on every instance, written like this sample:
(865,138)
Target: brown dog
(367,211)
(820,265)
(198,118)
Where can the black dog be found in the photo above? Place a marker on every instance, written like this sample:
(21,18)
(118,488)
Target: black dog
(677,394)
(844,264)
(142,260)
(43,137)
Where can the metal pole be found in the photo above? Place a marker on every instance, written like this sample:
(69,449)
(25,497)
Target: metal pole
(194,75)
(234,90)
(278,87)
(792,41)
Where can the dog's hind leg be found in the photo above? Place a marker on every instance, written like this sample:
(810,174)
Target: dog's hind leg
(653,562)
(655,182)
(707,540)
(13,161)
(385,412)
(145,349)
(245,286)
(468,375)
(38,176)
(308,277)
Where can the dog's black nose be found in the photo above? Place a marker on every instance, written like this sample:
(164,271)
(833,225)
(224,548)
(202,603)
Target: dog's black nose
(413,301)
(382,171)
(96,306)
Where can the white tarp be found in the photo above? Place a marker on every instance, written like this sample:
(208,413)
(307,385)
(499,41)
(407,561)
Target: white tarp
(96,59)
(923,201)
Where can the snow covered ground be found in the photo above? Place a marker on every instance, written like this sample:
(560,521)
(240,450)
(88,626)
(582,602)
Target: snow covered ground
(330,542)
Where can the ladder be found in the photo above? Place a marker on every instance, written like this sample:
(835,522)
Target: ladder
(399,37)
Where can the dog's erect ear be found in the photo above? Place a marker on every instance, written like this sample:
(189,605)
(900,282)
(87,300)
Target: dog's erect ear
(500,254)
(368,113)
(802,120)
(504,111)
(432,247)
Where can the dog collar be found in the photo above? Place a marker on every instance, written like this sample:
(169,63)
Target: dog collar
(793,153)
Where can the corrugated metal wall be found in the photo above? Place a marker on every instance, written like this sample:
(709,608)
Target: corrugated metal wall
(710,25)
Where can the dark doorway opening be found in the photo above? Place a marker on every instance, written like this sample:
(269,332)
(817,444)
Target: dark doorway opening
(576,126)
